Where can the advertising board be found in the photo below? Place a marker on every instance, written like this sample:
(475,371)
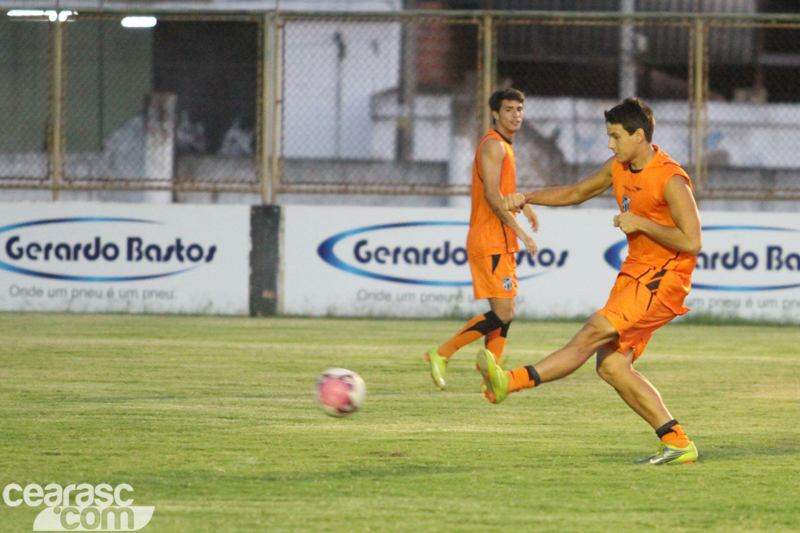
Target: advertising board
(100,257)
(411,262)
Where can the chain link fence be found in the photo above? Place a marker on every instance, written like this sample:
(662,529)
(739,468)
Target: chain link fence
(379,106)
(106,103)
(385,103)
(25,57)
(573,70)
(753,110)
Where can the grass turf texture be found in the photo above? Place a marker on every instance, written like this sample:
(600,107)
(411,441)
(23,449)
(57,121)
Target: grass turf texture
(212,420)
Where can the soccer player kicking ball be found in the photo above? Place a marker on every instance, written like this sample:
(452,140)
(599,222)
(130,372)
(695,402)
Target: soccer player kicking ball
(659,216)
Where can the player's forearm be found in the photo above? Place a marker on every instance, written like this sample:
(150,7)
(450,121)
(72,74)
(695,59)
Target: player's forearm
(508,219)
(495,201)
(576,193)
(553,196)
(671,236)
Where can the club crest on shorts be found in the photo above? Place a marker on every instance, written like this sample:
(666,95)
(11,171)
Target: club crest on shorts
(507,284)
(626,204)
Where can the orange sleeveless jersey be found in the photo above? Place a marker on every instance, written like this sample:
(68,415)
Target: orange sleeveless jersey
(642,193)
(487,234)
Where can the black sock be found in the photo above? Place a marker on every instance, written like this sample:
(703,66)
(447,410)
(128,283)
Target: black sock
(533,375)
(666,428)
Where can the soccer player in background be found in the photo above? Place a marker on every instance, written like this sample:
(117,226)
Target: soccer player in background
(659,216)
(492,237)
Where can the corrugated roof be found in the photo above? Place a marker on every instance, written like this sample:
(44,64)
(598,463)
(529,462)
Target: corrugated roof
(656,45)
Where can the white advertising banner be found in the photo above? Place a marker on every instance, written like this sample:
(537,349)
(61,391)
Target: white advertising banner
(749,267)
(411,262)
(99,257)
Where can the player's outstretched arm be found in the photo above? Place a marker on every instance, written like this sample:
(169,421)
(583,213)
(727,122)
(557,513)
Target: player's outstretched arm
(566,194)
(685,236)
(492,155)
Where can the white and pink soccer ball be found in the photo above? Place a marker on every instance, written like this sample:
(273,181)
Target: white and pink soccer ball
(340,392)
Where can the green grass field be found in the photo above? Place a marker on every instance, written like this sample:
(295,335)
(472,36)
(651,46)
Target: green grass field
(212,420)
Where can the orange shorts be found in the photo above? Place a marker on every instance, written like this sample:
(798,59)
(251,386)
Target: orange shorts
(635,313)
(494,276)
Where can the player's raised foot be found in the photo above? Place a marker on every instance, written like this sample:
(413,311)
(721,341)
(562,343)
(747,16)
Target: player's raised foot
(438,367)
(494,377)
(503,362)
(672,455)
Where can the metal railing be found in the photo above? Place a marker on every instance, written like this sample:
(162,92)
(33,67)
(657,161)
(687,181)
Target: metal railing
(386,103)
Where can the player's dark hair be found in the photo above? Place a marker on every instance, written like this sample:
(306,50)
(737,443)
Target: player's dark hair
(496,100)
(633,114)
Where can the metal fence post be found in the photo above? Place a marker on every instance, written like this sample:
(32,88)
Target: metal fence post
(488,71)
(269,109)
(698,61)
(276,104)
(57,106)
(266,108)
(627,52)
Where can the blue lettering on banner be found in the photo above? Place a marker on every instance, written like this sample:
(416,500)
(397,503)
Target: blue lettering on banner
(367,252)
(409,255)
(135,250)
(774,258)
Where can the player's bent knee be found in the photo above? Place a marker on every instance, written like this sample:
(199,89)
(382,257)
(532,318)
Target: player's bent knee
(503,309)
(506,317)
(605,373)
(612,368)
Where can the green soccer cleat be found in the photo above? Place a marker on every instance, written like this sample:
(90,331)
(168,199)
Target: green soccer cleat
(438,367)
(503,362)
(672,455)
(494,377)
